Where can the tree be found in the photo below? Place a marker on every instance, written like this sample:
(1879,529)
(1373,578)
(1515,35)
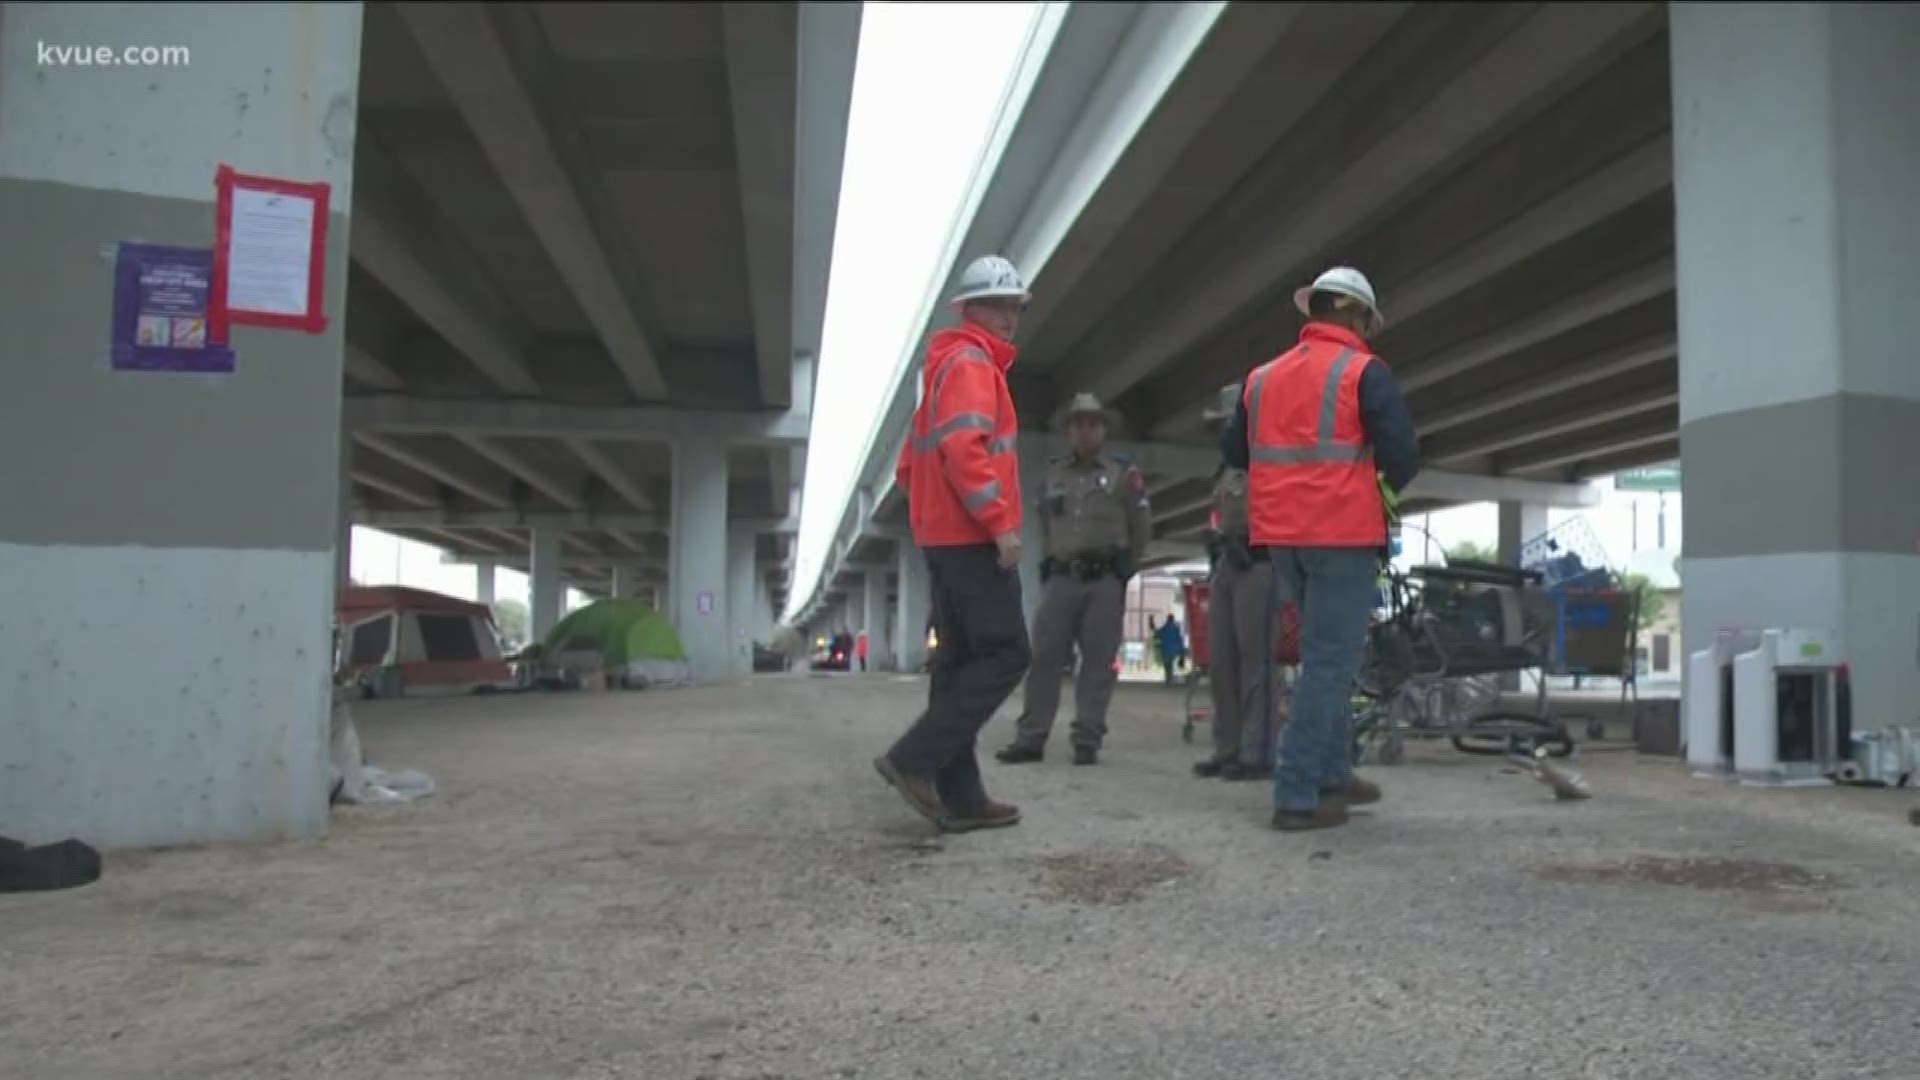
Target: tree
(1653,602)
(1472,551)
(512,619)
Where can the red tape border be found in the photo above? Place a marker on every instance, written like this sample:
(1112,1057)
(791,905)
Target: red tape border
(219,315)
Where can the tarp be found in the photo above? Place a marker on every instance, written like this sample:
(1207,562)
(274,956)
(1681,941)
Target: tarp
(629,635)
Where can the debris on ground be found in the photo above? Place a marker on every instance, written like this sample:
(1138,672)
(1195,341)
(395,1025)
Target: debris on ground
(1738,875)
(1566,784)
(1114,875)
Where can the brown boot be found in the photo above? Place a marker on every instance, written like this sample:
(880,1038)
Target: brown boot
(1358,792)
(994,815)
(1332,811)
(918,791)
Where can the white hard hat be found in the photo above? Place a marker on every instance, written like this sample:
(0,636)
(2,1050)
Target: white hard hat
(1341,281)
(990,277)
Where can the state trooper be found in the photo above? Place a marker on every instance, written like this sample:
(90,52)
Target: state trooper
(1244,721)
(1095,524)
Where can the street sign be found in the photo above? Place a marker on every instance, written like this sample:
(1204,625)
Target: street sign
(1651,478)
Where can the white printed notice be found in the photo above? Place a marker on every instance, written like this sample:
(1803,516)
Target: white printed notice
(271,253)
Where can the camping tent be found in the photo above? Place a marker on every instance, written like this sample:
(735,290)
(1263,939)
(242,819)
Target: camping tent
(396,641)
(635,644)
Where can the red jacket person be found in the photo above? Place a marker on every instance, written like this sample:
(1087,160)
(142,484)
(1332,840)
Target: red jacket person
(1319,429)
(962,480)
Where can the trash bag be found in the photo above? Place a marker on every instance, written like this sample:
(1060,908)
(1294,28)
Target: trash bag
(381,786)
(64,865)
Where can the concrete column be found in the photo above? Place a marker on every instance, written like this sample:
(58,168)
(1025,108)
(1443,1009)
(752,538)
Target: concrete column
(201,510)
(484,575)
(741,597)
(698,575)
(874,618)
(625,584)
(1796,156)
(545,596)
(910,610)
(1519,523)
(1033,470)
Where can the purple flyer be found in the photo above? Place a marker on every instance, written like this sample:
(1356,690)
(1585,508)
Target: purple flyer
(160,299)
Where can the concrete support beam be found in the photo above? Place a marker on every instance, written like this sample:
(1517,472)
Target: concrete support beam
(362,367)
(912,597)
(874,619)
(1468,488)
(579,521)
(1634,287)
(1519,523)
(1612,410)
(742,593)
(610,473)
(1611,364)
(392,414)
(698,548)
(627,540)
(761,78)
(1605,444)
(488,80)
(399,242)
(483,490)
(1532,60)
(399,489)
(519,467)
(484,574)
(626,582)
(545,596)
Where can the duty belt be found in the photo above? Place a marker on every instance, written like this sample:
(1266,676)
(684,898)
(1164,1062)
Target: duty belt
(1234,548)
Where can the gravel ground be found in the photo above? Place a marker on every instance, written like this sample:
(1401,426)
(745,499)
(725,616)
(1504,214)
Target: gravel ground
(714,884)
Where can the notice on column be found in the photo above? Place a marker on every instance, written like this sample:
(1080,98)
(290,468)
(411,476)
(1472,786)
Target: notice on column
(270,252)
(160,302)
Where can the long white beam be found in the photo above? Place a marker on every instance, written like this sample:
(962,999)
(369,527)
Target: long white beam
(1613,410)
(533,419)
(536,478)
(440,517)
(458,479)
(466,50)
(1613,363)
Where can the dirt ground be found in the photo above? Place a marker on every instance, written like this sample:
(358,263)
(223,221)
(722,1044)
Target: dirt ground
(714,884)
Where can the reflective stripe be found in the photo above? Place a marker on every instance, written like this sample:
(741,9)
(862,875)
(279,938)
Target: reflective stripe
(1311,455)
(969,354)
(1324,450)
(979,499)
(1002,445)
(972,421)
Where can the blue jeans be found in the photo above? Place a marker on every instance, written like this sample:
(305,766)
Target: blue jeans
(1335,589)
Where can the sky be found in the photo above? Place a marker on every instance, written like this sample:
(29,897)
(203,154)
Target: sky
(925,92)
(927,86)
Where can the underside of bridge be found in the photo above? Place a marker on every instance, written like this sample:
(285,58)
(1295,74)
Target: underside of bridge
(580,233)
(1504,173)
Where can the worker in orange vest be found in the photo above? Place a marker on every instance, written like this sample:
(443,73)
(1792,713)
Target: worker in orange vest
(1324,433)
(962,480)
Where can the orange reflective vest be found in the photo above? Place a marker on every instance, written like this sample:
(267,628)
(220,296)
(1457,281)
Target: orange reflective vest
(1310,476)
(959,467)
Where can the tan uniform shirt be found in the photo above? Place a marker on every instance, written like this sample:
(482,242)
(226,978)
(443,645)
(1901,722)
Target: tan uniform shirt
(1230,500)
(1089,506)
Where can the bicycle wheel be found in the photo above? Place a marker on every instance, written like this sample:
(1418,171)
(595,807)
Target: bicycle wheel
(1499,733)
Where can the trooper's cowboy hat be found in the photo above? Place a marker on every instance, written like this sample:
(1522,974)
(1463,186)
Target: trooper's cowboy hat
(1086,403)
(1222,410)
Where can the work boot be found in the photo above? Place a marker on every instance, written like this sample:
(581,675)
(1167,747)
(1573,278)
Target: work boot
(917,790)
(1240,770)
(1211,768)
(1086,755)
(1357,792)
(1331,812)
(1019,755)
(993,815)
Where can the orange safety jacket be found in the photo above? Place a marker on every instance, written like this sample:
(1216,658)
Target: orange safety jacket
(959,468)
(1310,476)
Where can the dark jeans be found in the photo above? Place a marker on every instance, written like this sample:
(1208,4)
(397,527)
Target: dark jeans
(983,655)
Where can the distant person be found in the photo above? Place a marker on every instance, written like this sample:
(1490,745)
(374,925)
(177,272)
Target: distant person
(962,478)
(860,649)
(1173,646)
(1328,443)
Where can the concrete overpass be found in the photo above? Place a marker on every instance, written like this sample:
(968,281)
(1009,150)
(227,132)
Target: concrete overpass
(1513,178)
(577,266)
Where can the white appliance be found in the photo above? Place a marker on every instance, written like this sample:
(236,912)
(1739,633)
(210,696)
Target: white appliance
(1708,722)
(1786,709)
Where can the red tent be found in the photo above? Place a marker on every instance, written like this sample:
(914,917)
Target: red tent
(398,641)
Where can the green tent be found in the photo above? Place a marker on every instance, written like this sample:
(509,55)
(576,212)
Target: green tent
(630,636)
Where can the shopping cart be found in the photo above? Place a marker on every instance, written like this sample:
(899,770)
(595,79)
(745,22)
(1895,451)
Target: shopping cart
(1197,594)
(1433,663)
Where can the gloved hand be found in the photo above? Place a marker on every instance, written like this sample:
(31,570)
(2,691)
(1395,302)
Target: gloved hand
(1389,498)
